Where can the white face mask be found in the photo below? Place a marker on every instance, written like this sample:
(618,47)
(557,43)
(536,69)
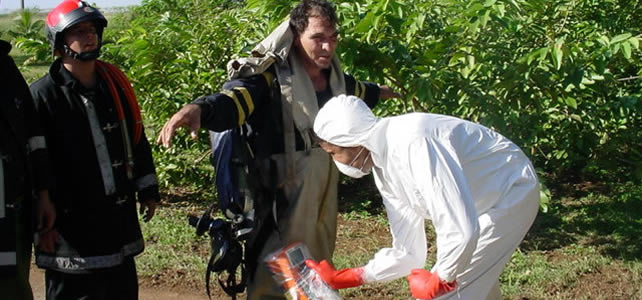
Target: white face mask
(351,171)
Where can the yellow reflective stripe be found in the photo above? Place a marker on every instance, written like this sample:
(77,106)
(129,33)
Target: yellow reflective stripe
(268,77)
(239,108)
(362,95)
(356,88)
(247,97)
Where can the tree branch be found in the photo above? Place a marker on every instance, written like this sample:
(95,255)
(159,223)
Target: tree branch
(629,78)
(405,91)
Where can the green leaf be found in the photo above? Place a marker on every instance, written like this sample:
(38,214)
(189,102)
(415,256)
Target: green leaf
(474,26)
(576,76)
(365,24)
(635,42)
(473,10)
(604,40)
(456,59)
(538,54)
(557,55)
(571,102)
(452,29)
(576,118)
(489,3)
(141,44)
(543,53)
(621,37)
(626,50)
(484,18)
(501,10)
(597,77)
(471,61)
(465,72)
(544,197)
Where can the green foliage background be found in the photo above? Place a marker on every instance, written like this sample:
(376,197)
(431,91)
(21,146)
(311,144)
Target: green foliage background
(561,78)
(174,52)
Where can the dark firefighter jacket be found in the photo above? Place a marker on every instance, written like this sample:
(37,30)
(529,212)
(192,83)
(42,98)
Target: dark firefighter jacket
(24,159)
(257,101)
(94,198)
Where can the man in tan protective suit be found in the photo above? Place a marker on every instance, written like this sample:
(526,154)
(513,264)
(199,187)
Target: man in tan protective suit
(278,92)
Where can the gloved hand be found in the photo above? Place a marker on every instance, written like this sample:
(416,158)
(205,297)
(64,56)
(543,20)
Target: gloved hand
(48,240)
(426,285)
(342,279)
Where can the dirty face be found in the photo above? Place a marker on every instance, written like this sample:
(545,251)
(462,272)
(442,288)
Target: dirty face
(318,42)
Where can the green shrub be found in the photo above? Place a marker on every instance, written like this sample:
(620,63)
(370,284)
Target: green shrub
(560,78)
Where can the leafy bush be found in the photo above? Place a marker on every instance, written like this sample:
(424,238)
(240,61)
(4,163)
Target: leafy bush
(27,34)
(560,78)
(175,51)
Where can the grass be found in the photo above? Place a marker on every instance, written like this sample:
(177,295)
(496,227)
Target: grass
(586,247)
(30,72)
(173,252)
(6,21)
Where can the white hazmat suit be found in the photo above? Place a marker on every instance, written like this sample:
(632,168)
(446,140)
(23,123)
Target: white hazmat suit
(478,188)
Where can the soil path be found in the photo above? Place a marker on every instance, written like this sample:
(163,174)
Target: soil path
(36,278)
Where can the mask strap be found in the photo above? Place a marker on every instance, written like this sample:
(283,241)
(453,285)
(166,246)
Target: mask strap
(364,162)
(355,158)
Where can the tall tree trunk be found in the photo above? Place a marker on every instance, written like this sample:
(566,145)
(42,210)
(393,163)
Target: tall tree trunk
(22,4)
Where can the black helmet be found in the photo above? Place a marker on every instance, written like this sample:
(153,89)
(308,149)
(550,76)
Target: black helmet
(67,14)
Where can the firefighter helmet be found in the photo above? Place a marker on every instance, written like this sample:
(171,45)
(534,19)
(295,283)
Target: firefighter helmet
(67,14)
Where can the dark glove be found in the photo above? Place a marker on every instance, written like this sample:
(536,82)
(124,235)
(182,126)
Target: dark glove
(48,240)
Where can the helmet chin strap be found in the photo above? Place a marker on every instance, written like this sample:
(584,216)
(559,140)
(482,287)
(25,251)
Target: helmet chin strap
(85,56)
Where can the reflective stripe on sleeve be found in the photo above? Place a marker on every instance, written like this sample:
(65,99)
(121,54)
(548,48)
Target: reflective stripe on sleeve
(357,90)
(248,99)
(362,93)
(146,181)
(37,143)
(239,108)
(268,78)
(7,258)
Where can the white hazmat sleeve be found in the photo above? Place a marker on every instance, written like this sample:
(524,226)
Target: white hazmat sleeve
(439,191)
(443,186)
(408,245)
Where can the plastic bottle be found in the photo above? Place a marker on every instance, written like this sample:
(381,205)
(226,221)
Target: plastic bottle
(299,282)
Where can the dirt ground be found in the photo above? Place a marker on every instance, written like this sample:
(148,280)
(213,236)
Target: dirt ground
(609,281)
(146,292)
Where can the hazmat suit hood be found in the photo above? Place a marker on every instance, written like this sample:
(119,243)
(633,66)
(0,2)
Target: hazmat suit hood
(347,121)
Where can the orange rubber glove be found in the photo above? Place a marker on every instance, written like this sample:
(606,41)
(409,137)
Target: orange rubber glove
(426,285)
(342,279)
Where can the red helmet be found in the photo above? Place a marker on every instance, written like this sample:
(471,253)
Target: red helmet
(69,13)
